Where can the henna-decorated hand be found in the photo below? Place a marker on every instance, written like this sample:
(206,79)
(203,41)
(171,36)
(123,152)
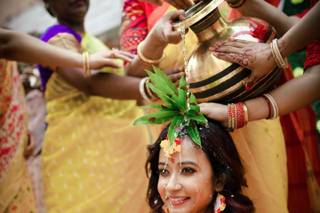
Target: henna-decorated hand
(255,56)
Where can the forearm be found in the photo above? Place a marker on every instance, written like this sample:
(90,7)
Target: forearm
(263,10)
(151,49)
(22,47)
(305,31)
(289,97)
(103,84)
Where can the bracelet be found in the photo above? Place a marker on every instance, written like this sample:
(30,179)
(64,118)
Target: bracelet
(237,115)
(149,93)
(236,4)
(272,102)
(86,64)
(145,59)
(280,61)
(269,106)
(246,114)
(142,89)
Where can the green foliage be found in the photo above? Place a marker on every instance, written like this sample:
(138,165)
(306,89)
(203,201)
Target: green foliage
(179,107)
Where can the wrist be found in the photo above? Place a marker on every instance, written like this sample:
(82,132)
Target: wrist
(282,44)
(155,40)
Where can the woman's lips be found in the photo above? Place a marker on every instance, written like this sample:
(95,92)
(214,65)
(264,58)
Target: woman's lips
(177,201)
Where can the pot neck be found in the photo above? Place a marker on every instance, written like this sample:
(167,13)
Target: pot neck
(210,26)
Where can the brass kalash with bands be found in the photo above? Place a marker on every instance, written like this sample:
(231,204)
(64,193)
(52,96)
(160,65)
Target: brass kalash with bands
(211,79)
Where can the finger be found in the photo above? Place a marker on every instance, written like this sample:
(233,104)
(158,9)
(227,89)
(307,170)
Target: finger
(177,15)
(174,37)
(229,49)
(216,45)
(121,56)
(176,76)
(177,4)
(236,43)
(125,53)
(170,72)
(231,57)
(156,2)
(112,63)
(189,3)
(239,40)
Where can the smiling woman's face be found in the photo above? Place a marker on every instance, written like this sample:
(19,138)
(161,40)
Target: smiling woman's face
(185,180)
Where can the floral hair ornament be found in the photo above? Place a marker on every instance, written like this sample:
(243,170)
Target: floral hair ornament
(179,107)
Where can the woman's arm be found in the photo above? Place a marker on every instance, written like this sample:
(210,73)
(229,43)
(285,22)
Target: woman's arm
(305,31)
(258,56)
(22,47)
(154,44)
(102,84)
(289,97)
(263,10)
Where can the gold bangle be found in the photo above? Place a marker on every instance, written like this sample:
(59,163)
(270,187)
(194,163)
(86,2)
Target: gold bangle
(246,114)
(86,64)
(145,59)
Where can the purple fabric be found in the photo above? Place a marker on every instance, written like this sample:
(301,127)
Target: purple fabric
(52,31)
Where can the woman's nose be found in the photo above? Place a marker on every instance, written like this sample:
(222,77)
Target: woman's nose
(173,183)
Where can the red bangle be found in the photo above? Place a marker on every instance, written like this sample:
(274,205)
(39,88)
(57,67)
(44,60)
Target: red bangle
(240,115)
(269,106)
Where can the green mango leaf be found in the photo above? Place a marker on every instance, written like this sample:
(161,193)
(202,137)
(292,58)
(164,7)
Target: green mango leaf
(153,106)
(165,78)
(193,133)
(182,100)
(163,96)
(199,118)
(162,82)
(155,118)
(172,133)
(192,99)
(182,82)
(195,108)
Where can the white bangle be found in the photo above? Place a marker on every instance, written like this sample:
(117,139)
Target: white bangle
(274,106)
(280,61)
(142,89)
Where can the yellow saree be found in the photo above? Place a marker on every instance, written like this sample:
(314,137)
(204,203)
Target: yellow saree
(93,158)
(16,193)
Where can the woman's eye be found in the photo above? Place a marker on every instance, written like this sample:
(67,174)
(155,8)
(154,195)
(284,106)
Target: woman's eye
(163,172)
(187,170)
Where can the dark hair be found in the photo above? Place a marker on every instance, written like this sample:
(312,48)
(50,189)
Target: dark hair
(47,7)
(219,148)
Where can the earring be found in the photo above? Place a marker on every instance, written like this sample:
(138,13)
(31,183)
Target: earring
(220,203)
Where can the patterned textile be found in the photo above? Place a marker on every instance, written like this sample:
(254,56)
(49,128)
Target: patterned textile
(312,54)
(135,24)
(13,137)
(92,158)
(23,201)
(260,144)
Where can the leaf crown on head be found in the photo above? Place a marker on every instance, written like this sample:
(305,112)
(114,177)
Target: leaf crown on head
(179,107)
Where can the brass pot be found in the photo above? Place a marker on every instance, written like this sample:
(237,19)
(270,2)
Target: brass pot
(215,80)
